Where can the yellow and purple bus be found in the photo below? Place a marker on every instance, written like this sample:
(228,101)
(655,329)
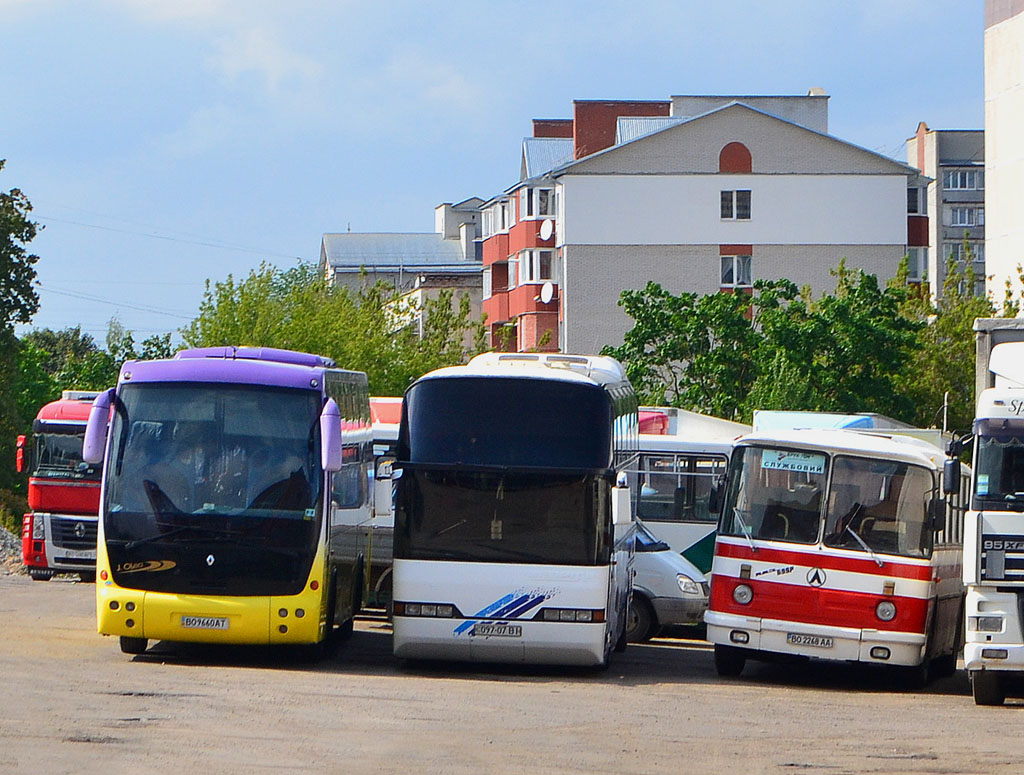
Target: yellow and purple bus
(232,480)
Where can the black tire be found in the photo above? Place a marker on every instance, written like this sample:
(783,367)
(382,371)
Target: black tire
(41,574)
(987,687)
(729,660)
(944,666)
(130,645)
(916,677)
(642,623)
(89,577)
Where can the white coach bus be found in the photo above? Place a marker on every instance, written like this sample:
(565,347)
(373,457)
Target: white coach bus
(513,518)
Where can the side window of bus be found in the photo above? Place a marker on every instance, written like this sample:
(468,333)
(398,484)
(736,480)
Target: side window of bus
(347,486)
(676,488)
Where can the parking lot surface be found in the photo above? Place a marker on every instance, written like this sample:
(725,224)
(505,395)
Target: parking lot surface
(73,703)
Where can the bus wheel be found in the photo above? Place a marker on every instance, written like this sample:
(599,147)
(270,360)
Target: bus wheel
(916,676)
(729,660)
(41,574)
(987,687)
(87,577)
(641,623)
(131,645)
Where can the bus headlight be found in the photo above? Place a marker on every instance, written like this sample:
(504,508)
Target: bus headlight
(886,610)
(687,585)
(985,623)
(38,528)
(743,594)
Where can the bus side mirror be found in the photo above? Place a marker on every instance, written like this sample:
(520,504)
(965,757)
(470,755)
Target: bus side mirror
(951,476)
(19,456)
(96,429)
(330,436)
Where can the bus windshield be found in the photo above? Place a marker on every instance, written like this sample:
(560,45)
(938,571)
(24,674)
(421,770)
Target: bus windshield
(237,465)
(775,494)
(999,468)
(879,506)
(60,455)
(507,421)
(458,513)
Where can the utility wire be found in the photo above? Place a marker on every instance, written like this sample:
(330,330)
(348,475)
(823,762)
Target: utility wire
(114,302)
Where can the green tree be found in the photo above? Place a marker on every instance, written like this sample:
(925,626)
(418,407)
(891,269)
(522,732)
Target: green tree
(18,299)
(61,347)
(371,330)
(729,354)
(944,358)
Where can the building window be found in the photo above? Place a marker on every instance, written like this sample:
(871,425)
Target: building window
(917,202)
(966,216)
(537,266)
(960,253)
(736,272)
(536,203)
(964,180)
(736,205)
(513,273)
(917,264)
(487,282)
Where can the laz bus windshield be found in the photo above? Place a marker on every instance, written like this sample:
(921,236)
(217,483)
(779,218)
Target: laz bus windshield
(507,421)
(198,465)
(999,468)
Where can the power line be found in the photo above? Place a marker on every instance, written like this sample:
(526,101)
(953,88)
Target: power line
(218,245)
(116,303)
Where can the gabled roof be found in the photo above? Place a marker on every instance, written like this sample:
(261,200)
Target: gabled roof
(682,124)
(629,128)
(543,154)
(384,250)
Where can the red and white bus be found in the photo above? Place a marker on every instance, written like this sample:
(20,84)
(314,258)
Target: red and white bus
(838,544)
(58,535)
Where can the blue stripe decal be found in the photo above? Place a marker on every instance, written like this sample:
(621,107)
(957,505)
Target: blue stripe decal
(486,611)
(527,606)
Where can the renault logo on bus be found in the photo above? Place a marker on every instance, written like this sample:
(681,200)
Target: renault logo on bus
(816,577)
(79,530)
(210,560)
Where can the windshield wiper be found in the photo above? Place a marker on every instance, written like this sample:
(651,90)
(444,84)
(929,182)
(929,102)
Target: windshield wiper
(743,528)
(129,545)
(867,548)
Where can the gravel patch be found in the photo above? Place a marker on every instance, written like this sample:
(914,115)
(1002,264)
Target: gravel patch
(10,553)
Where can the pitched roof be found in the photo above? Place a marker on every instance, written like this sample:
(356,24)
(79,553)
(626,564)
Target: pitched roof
(543,154)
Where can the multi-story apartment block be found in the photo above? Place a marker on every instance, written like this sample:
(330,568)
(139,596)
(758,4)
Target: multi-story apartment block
(1004,151)
(953,161)
(699,194)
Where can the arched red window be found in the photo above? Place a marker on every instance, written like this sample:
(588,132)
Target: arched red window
(734,158)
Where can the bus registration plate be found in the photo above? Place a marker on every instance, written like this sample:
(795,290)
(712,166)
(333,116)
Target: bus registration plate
(818,641)
(204,622)
(498,630)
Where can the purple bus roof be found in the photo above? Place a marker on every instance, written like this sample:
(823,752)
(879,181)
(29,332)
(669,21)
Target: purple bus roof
(243,365)
(229,352)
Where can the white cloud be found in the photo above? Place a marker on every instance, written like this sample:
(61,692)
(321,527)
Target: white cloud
(257,50)
(205,130)
(431,83)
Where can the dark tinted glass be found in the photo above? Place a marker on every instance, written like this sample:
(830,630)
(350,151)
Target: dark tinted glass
(493,516)
(999,468)
(59,455)
(507,421)
(224,471)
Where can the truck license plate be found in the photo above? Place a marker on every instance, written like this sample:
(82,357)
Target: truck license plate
(817,641)
(498,630)
(205,622)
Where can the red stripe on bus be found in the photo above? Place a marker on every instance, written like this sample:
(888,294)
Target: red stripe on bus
(826,561)
(822,606)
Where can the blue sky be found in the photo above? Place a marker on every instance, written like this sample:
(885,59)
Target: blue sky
(167,142)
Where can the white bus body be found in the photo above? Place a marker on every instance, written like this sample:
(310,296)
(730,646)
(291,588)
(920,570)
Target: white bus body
(514,529)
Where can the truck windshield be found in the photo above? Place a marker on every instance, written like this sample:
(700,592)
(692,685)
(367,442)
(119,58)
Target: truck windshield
(59,455)
(202,464)
(775,494)
(879,506)
(999,467)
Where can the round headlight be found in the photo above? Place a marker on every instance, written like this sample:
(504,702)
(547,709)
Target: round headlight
(742,594)
(886,610)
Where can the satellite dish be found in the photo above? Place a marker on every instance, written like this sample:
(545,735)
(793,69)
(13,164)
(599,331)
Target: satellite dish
(547,290)
(547,228)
